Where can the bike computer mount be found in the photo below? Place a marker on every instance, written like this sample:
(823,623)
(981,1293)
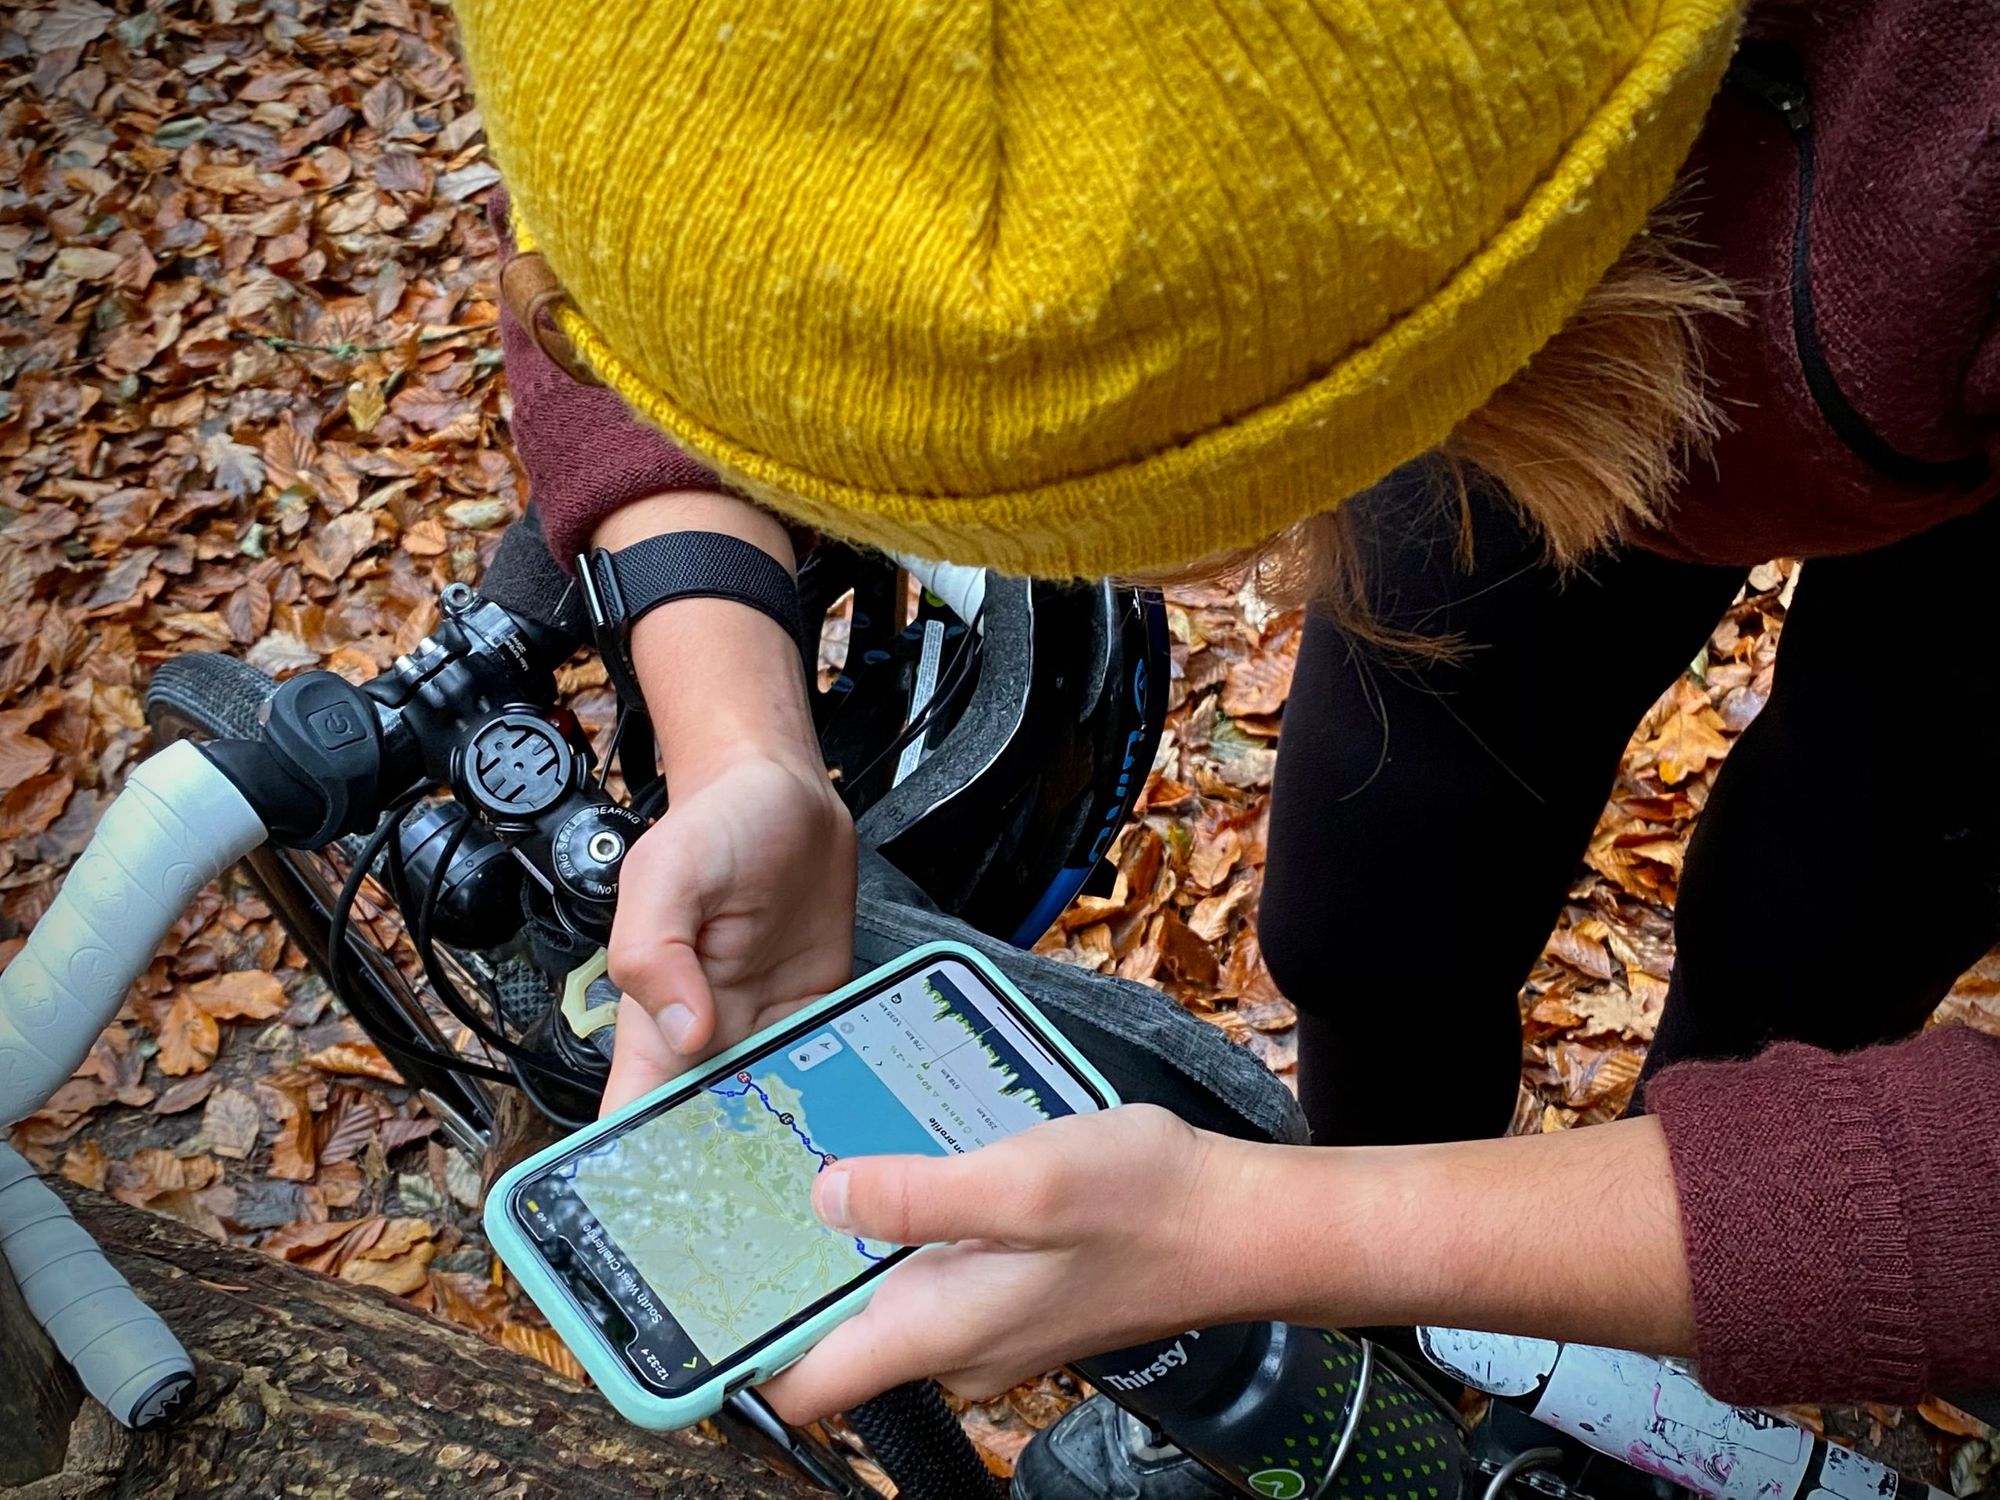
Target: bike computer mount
(471,707)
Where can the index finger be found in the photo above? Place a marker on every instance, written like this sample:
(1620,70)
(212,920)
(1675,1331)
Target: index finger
(640,1062)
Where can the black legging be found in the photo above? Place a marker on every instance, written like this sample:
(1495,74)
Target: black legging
(1428,820)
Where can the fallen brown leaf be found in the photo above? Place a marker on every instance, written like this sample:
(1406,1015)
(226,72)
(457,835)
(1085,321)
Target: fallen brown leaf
(1141,961)
(303,1240)
(232,1122)
(1606,1010)
(185,1094)
(426,538)
(189,1038)
(542,1344)
(1945,1417)
(85,1165)
(22,756)
(1244,975)
(397,1259)
(1690,739)
(1590,1076)
(365,404)
(363,1059)
(472,1301)
(75,1099)
(152,1171)
(339,1183)
(1186,956)
(1258,684)
(246,994)
(1214,858)
(1213,916)
(1587,955)
(348,1124)
(292,1148)
(30,805)
(331,551)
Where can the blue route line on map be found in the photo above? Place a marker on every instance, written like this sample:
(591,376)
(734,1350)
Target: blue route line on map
(765,1099)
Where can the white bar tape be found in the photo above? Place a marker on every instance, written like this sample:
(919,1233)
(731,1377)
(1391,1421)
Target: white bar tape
(121,1351)
(177,825)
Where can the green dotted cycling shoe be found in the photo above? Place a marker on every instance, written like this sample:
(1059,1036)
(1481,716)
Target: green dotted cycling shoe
(1097,1452)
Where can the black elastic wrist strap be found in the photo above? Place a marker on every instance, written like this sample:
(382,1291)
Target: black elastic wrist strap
(619,588)
(692,565)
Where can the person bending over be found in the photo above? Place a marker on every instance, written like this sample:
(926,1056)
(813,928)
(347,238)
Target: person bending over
(1511,333)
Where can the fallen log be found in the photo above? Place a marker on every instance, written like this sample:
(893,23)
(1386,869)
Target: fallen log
(316,1387)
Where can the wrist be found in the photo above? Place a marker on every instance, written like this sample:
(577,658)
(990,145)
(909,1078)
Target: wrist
(1322,1237)
(721,680)
(1250,1216)
(722,684)
(695,758)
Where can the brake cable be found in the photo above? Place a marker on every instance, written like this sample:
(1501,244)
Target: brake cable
(448,993)
(454,998)
(339,959)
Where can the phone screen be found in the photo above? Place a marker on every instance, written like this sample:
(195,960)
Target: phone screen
(688,1235)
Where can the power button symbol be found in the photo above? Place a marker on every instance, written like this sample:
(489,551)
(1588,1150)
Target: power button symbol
(336,726)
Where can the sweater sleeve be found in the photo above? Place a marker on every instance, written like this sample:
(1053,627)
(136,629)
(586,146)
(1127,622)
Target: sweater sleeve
(1841,1218)
(585,453)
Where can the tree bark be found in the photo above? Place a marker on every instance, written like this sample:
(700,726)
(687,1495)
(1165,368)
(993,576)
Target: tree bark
(39,1394)
(315,1387)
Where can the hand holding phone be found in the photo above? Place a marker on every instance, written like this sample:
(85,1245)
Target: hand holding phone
(674,1245)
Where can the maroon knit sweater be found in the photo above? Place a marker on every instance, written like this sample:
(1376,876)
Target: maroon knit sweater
(1841,1213)
(1863,389)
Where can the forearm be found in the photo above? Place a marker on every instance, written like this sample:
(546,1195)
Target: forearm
(1574,1235)
(739,902)
(721,681)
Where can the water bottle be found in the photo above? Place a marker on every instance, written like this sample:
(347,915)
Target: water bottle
(1278,1410)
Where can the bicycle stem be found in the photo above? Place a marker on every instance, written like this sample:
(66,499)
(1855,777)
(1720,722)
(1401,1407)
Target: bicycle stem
(471,708)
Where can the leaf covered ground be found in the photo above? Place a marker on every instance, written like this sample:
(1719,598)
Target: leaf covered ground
(251,401)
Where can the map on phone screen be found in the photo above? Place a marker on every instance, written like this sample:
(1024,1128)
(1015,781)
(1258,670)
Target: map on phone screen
(711,1201)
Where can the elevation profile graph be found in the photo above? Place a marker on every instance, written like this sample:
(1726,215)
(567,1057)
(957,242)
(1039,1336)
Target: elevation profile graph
(980,1039)
(955,1070)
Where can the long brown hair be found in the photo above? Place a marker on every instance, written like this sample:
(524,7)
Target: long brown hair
(1587,441)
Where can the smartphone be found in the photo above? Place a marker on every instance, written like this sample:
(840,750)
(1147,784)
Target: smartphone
(674,1246)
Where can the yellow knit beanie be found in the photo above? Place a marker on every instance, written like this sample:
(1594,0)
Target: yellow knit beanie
(1071,287)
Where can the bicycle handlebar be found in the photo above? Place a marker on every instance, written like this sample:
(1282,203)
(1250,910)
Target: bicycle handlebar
(177,825)
(185,816)
(120,1349)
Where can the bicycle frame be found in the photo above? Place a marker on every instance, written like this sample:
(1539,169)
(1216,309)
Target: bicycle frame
(1653,1415)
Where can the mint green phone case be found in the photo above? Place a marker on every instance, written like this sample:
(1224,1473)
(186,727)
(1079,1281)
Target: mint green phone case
(517,1248)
